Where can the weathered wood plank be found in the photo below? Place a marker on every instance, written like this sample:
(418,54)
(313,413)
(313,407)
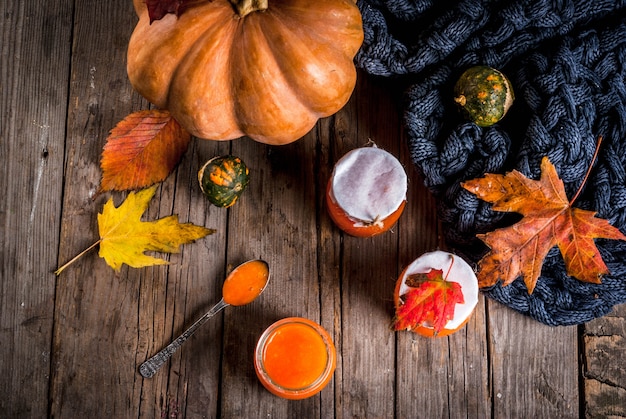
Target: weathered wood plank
(139,310)
(187,384)
(96,316)
(604,371)
(275,221)
(369,266)
(34,74)
(329,257)
(533,368)
(454,369)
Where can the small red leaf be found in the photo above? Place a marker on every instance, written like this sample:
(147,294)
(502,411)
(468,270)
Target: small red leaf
(157,9)
(430,302)
(141,150)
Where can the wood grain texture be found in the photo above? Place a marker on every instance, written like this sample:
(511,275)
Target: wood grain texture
(369,267)
(34,75)
(71,346)
(604,370)
(530,366)
(95,310)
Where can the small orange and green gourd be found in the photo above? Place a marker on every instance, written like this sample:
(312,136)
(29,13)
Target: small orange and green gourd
(484,95)
(223,179)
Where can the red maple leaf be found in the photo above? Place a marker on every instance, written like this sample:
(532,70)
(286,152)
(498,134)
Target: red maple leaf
(430,302)
(157,9)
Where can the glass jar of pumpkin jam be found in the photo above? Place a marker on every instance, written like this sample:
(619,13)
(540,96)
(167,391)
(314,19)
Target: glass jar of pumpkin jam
(295,358)
(366,193)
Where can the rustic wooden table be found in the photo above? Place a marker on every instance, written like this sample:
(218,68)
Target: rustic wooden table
(70,346)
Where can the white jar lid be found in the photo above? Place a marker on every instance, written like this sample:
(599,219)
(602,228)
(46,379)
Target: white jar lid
(369,184)
(460,272)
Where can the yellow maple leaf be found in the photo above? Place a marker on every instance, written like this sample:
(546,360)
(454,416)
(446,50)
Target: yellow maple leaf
(124,238)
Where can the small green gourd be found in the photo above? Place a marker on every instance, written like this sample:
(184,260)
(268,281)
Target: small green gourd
(484,95)
(223,179)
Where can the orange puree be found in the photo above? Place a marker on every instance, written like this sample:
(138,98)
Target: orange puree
(295,358)
(358,228)
(245,283)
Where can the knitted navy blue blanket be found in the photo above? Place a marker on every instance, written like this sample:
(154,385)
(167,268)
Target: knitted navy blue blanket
(567,63)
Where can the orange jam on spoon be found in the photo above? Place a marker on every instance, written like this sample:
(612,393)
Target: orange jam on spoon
(295,358)
(245,283)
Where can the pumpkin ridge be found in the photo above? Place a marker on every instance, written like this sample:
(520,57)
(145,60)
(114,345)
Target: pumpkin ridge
(154,42)
(323,91)
(266,84)
(329,14)
(200,67)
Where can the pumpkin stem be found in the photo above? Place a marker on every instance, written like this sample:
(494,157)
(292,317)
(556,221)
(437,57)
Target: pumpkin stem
(243,7)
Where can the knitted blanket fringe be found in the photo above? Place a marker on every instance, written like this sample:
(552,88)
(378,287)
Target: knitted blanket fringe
(567,63)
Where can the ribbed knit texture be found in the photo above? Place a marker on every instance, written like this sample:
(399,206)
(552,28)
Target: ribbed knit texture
(567,63)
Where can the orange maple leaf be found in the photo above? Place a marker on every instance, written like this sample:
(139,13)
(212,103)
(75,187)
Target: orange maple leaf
(549,220)
(431,301)
(142,150)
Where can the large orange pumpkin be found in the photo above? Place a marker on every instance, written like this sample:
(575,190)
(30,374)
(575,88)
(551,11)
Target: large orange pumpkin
(225,69)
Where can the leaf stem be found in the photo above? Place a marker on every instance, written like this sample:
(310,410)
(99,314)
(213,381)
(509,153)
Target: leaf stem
(62,268)
(593,160)
(449,268)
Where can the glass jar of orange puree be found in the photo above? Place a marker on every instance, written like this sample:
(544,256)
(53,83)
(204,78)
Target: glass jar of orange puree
(295,358)
(366,192)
